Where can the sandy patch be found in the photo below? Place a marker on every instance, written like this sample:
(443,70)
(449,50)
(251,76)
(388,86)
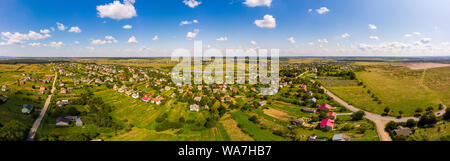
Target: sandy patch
(417,66)
(277,114)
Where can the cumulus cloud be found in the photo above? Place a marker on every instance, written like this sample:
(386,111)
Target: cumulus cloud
(291,40)
(192,35)
(222,39)
(35,44)
(60,26)
(127,27)
(345,35)
(416,33)
(267,22)
(372,27)
(132,40)
(412,34)
(322,41)
(75,29)
(117,10)
(155,38)
(322,10)
(374,38)
(107,40)
(191,3)
(45,31)
(18,38)
(408,35)
(56,44)
(256,3)
(253,42)
(310,10)
(425,40)
(76,42)
(188,22)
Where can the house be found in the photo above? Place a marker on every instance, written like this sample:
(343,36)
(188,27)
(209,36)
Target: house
(42,89)
(3,98)
(156,101)
(327,124)
(4,88)
(331,115)
(135,95)
(313,138)
(310,93)
(262,103)
(405,131)
(340,137)
(227,99)
(194,107)
(71,118)
(146,98)
(206,107)
(309,110)
(63,91)
(198,99)
(60,121)
(27,109)
(325,107)
(297,122)
(79,122)
(313,100)
(128,92)
(167,88)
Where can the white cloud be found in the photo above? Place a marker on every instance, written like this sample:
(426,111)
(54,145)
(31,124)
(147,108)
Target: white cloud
(322,41)
(291,40)
(132,40)
(108,40)
(345,35)
(155,38)
(35,44)
(60,26)
(90,48)
(56,44)
(425,40)
(310,10)
(222,39)
(253,42)
(416,33)
(268,22)
(75,29)
(76,42)
(18,38)
(45,31)
(408,35)
(192,35)
(322,10)
(372,27)
(192,3)
(188,22)
(127,27)
(374,38)
(311,43)
(117,10)
(255,3)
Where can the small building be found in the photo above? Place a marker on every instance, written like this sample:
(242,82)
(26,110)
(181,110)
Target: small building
(198,99)
(309,110)
(156,101)
(194,107)
(297,122)
(61,121)
(4,88)
(313,100)
(331,115)
(262,103)
(340,137)
(327,124)
(135,95)
(27,109)
(42,89)
(63,91)
(146,98)
(325,107)
(79,122)
(405,131)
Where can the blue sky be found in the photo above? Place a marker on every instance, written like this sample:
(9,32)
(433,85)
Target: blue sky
(296,27)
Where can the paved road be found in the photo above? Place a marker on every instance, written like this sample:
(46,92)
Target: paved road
(36,124)
(380,121)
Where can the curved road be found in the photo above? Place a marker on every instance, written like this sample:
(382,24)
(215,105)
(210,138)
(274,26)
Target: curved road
(36,124)
(380,121)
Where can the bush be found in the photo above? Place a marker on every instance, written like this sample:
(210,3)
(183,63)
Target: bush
(358,115)
(168,125)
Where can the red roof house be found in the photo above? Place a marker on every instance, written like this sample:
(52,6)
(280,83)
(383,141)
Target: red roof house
(325,107)
(331,115)
(327,124)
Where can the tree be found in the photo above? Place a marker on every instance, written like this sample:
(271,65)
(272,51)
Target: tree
(386,110)
(447,114)
(418,110)
(13,131)
(358,115)
(427,120)
(411,123)
(400,113)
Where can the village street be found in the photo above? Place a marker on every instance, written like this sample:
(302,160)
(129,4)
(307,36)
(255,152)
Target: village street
(36,124)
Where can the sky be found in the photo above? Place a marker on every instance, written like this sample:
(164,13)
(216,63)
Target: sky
(154,28)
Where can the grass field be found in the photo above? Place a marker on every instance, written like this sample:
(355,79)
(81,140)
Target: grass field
(398,88)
